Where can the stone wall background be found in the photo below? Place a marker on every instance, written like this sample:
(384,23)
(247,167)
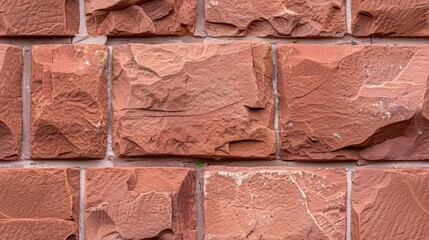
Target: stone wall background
(361,180)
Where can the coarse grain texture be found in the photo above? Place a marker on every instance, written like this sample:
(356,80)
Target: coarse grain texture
(212,100)
(390,204)
(140,203)
(69,101)
(39,17)
(39,203)
(140,17)
(354,102)
(10,102)
(274,203)
(279,18)
(392,18)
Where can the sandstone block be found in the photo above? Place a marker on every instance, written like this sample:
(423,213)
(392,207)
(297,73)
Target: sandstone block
(10,102)
(212,100)
(390,204)
(274,203)
(393,18)
(39,203)
(69,101)
(140,18)
(39,18)
(279,18)
(354,102)
(140,203)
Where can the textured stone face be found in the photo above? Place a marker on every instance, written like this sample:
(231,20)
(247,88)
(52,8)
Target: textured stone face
(10,102)
(40,18)
(393,18)
(390,204)
(274,203)
(140,203)
(39,203)
(275,18)
(210,100)
(69,101)
(140,17)
(354,102)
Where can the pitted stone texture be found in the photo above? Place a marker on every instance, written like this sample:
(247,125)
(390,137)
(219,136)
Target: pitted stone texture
(140,17)
(393,18)
(279,18)
(390,204)
(39,17)
(39,203)
(69,101)
(274,203)
(10,102)
(354,102)
(140,203)
(212,100)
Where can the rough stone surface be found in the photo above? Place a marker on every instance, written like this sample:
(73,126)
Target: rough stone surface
(274,203)
(39,203)
(69,101)
(10,102)
(39,18)
(140,17)
(390,204)
(140,203)
(212,100)
(275,18)
(354,102)
(393,18)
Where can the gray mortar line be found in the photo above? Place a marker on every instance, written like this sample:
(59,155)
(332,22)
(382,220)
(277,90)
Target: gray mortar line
(200,19)
(349,16)
(26,103)
(82,24)
(200,203)
(276,100)
(109,153)
(349,205)
(82,204)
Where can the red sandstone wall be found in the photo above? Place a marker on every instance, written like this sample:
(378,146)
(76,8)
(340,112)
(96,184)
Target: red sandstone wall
(215,119)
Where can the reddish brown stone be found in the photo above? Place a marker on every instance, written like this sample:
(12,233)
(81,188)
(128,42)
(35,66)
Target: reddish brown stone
(394,18)
(141,17)
(212,100)
(39,203)
(275,18)
(354,102)
(140,203)
(69,101)
(274,203)
(390,204)
(10,102)
(39,18)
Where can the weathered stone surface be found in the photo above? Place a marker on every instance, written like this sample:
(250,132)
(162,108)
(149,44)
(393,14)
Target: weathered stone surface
(69,101)
(39,203)
(390,204)
(274,203)
(10,102)
(354,102)
(39,18)
(140,17)
(140,203)
(210,100)
(394,18)
(275,18)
